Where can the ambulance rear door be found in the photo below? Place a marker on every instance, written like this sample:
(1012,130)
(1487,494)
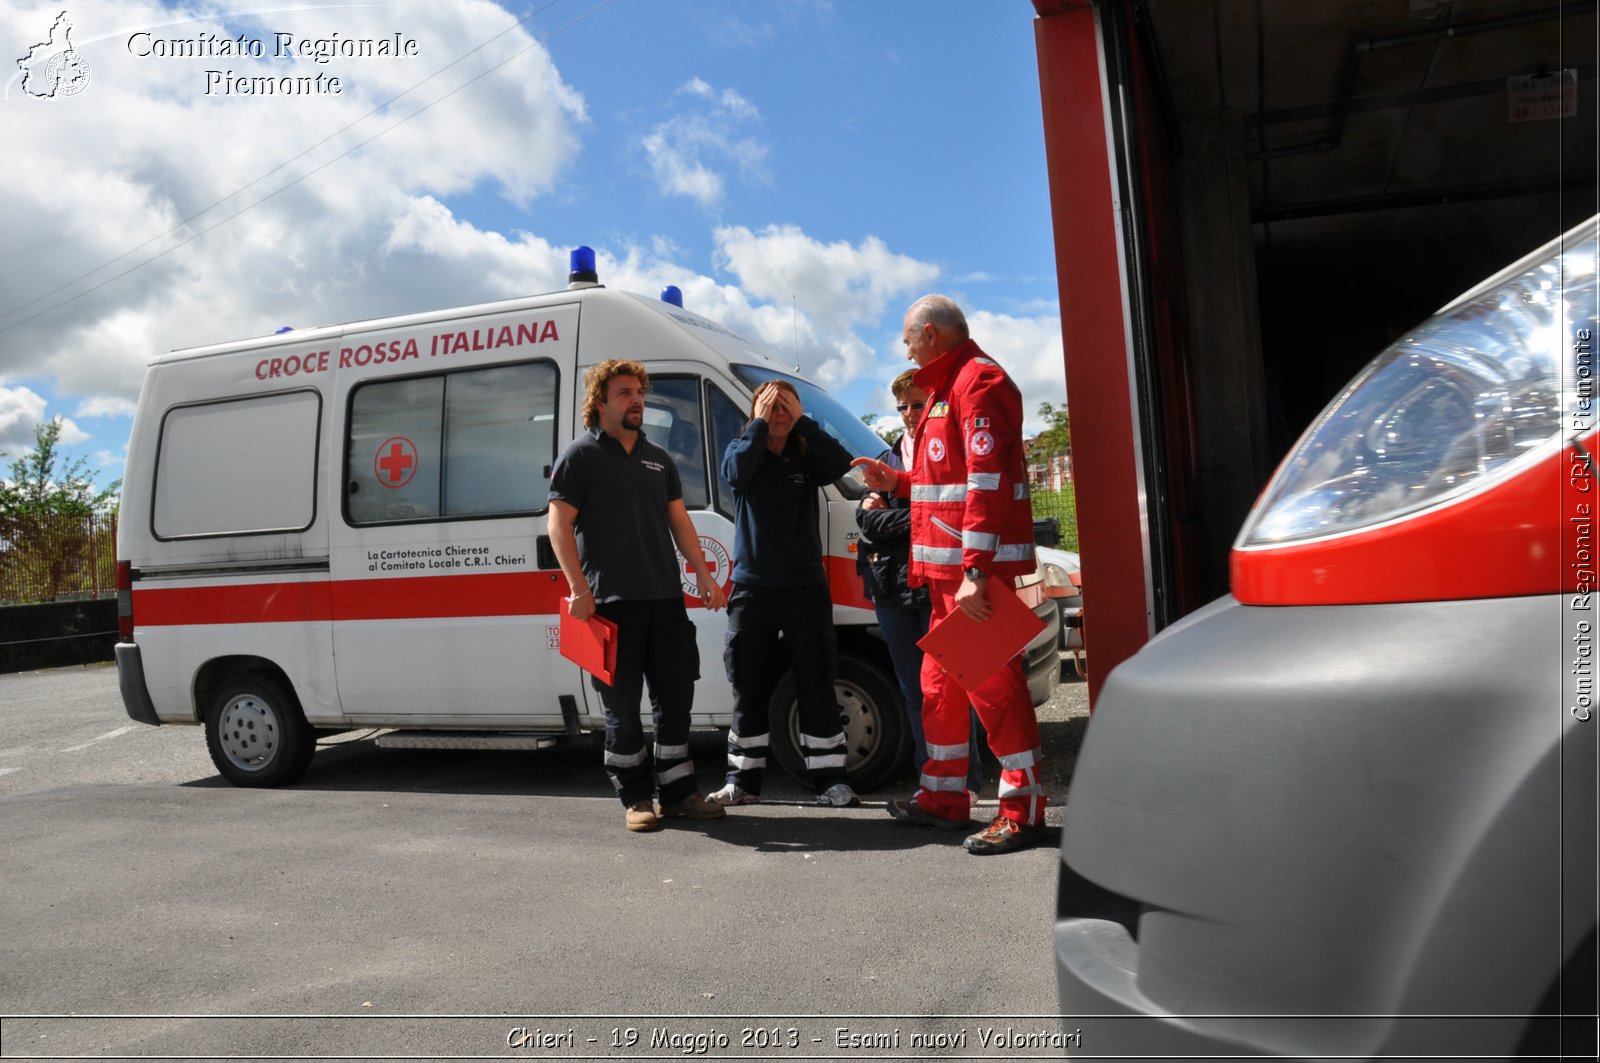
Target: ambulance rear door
(443,613)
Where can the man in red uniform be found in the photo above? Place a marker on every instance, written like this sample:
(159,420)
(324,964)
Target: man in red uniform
(971,528)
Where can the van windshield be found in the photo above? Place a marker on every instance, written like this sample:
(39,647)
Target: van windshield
(824,409)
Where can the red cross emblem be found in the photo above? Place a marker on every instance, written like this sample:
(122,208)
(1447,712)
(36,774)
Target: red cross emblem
(396,462)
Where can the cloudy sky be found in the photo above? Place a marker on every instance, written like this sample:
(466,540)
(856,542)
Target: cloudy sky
(802,170)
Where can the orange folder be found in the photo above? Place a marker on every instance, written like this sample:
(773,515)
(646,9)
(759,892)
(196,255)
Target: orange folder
(971,650)
(590,644)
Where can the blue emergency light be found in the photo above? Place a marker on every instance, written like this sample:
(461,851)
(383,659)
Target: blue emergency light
(582,267)
(671,294)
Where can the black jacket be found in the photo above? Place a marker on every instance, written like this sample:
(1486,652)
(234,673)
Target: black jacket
(883,557)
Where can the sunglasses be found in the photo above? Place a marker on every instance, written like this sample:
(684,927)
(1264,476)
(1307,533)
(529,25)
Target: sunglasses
(904,406)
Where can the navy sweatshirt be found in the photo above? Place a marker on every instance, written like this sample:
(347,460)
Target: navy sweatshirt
(776,541)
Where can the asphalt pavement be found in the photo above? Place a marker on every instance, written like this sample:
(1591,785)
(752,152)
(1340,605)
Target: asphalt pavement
(431,903)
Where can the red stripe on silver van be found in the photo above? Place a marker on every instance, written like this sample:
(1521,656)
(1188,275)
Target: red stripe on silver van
(1524,535)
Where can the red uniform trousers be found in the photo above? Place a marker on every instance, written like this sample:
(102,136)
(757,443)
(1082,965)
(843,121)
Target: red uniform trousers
(1004,706)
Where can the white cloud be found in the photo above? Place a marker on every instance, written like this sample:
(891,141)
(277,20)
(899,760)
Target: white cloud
(679,174)
(688,151)
(818,295)
(849,284)
(71,434)
(728,30)
(21,409)
(143,148)
(105,406)
(113,465)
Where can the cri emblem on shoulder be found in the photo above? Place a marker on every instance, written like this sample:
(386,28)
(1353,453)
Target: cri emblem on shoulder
(936,448)
(982,442)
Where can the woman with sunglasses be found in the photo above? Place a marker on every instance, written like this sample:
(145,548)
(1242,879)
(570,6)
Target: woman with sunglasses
(884,560)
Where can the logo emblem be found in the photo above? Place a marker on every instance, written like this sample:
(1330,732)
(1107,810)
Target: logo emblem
(936,449)
(938,409)
(718,560)
(396,462)
(982,442)
(54,68)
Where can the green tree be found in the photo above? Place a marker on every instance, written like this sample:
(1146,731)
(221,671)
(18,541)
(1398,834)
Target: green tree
(46,480)
(56,527)
(1056,438)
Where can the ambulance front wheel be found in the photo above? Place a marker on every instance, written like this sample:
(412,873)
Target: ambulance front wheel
(256,732)
(877,740)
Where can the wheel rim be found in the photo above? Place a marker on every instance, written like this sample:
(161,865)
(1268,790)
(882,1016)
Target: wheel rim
(249,732)
(862,729)
(858,720)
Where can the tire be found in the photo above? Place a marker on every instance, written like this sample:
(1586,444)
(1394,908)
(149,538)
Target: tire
(256,733)
(877,740)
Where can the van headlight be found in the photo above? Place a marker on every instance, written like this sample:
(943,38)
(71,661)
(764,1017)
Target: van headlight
(1057,581)
(1488,386)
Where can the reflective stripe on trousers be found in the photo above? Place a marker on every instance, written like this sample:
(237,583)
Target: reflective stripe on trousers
(1004,706)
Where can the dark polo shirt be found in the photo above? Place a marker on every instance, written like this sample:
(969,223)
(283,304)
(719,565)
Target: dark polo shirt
(624,532)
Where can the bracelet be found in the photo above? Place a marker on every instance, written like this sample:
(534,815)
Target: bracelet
(576,597)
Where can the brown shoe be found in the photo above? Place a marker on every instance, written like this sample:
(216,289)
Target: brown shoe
(1004,835)
(641,816)
(692,807)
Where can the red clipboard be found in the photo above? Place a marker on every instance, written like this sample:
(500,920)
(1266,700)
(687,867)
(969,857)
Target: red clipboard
(974,650)
(590,644)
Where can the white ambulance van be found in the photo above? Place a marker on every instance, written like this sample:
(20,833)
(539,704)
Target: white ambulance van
(344,527)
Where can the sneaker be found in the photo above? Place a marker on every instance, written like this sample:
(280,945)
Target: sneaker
(839,795)
(641,816)
(731,794)
(1004,835)
(692,807)
(910,812)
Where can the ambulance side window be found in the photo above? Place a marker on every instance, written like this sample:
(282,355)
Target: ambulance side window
(473,443)
(727,424)
(672,420)
(237,467)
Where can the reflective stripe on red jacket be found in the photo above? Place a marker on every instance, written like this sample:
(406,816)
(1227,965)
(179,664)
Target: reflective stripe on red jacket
(969,484)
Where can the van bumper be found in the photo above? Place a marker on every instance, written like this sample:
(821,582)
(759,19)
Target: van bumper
(1097,970)
(135,692)
(1322,831)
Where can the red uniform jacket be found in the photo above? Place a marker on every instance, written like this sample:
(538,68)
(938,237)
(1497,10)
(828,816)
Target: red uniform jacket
(969,483)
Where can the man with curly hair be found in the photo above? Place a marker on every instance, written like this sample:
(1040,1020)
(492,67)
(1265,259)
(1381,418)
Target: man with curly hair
(616,509)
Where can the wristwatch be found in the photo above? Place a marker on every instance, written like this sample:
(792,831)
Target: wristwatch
(975,574)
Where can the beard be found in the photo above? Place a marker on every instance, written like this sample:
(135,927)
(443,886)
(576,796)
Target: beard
(632,420)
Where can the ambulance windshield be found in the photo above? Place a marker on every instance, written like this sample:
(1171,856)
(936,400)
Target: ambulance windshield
(1492,383)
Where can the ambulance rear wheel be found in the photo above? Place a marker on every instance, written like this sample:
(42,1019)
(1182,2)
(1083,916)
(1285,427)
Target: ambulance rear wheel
(877,740)
(256,734)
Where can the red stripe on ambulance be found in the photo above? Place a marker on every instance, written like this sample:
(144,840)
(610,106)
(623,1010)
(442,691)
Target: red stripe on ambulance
(409,598)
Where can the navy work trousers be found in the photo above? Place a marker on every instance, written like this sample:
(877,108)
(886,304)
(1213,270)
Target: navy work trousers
(803,618)
(655,643)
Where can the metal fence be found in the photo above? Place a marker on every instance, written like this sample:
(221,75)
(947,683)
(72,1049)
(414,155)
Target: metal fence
(1050,483)
(52,557)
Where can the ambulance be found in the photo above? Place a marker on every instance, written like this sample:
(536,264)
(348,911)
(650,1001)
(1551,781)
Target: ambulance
(344,527)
